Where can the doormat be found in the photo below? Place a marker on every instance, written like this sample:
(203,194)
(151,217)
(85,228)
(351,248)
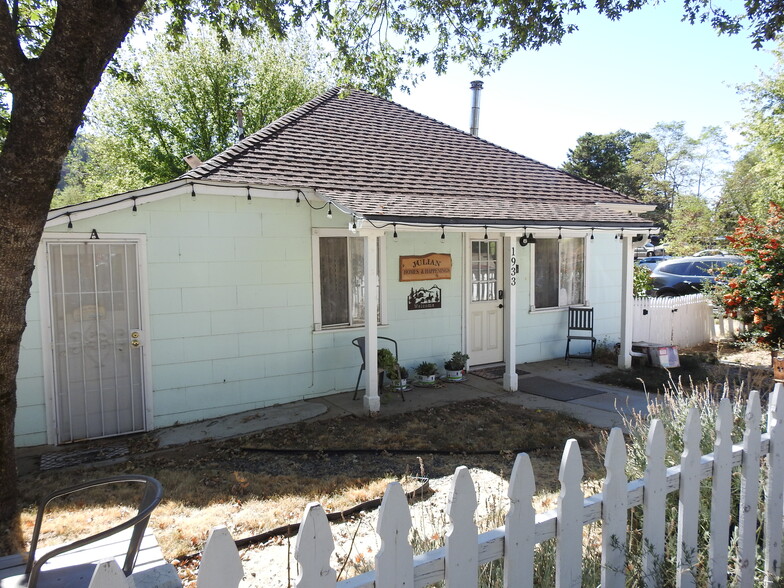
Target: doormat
(495,373)
(555,390)
(64,459)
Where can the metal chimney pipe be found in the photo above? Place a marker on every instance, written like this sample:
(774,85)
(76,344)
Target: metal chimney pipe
(476,88)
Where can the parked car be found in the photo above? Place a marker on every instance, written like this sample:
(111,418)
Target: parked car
(685,275)
(652,261)
(649,250)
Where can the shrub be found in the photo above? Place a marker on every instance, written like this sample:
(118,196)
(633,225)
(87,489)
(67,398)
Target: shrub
(754,292)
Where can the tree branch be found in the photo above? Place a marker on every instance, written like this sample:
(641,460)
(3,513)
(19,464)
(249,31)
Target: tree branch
(12,58)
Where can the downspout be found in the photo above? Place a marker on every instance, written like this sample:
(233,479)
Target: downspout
(476,89)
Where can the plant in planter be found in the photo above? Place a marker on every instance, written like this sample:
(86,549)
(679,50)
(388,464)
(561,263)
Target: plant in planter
(394,371)
(427,371)
(455,366)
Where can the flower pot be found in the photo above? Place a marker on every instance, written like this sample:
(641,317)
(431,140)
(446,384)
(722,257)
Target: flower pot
(778,365)
(400,384)
(454,375)
(428,379)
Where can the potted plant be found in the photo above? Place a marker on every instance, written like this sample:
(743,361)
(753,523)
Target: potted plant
(427,371)
(455,366)
(394,371)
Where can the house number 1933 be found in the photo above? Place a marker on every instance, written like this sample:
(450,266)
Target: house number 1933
(513,267)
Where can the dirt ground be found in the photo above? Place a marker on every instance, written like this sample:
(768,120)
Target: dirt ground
(255,483)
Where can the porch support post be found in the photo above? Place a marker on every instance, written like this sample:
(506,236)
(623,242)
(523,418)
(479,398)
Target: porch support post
(372,401)
(627,274)
(510,312)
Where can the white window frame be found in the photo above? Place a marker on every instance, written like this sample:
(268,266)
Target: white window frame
(532,280)
(382,278)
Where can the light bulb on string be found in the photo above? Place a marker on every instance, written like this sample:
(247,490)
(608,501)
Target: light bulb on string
(193,191)
(485,232)
(329,209)
(249,198)
(70,223)
(591,233)
(443,234)
(133,208)
(394,231)
(297,201)
(559,234)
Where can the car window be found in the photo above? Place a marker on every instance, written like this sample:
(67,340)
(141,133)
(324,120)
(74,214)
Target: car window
(681,268)
(703,268)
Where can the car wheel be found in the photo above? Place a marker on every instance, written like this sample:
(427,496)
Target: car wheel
(649,254)
(666,293)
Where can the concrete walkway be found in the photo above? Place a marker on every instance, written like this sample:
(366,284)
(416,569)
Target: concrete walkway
(600,405)
(548,385)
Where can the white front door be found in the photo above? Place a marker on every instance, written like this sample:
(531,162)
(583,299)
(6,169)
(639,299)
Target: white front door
(485,320)
(96,338)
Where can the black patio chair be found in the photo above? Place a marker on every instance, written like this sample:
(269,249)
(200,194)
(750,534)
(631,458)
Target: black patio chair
(580,328)
(151,497)
(359,343)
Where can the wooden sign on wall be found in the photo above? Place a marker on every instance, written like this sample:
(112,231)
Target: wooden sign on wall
(432,266)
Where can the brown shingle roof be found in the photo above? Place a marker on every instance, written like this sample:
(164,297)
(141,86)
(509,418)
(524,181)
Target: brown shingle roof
(381,160)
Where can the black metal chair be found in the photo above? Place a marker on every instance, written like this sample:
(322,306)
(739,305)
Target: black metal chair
(359,343)
(580,328)
(151,497)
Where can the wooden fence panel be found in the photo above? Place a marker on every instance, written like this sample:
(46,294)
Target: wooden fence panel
(108,574)
(614,508)
(681,320)
(569,530)
(689,500)
(774,499)
(720,496)
(313,549)
(395,558)
(654,500)
(462,548)
(520,525)
(749,493)
(220,561)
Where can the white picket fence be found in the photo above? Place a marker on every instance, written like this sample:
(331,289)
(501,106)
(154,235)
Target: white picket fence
(458,562)
(684,321)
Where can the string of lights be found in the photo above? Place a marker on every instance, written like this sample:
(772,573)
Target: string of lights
(526,238)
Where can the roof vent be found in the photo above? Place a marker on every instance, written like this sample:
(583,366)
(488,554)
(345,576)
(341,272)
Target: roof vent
(192,161)
(476,88)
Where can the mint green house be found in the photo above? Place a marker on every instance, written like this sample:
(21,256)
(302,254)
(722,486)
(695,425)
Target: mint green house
(242,283)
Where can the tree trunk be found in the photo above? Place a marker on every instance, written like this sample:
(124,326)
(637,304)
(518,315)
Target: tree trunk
(50,94)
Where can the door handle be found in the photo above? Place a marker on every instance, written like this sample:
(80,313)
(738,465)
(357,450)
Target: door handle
(500,306)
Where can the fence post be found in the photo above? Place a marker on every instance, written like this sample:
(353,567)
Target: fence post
(774,499)
(519,528)
(569,528)
(689,500)
(395,558)
(614,507)
(720,496)
(313,548)
(462,544)
(220,565)
(653,501)
(749,491)
(107,574)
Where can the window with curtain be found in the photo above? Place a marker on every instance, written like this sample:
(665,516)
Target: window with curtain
(559,272)
(342,287)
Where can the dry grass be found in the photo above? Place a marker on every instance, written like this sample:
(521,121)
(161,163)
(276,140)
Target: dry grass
(238,484)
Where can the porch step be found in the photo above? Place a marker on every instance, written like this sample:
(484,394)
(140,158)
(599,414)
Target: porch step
(75,569)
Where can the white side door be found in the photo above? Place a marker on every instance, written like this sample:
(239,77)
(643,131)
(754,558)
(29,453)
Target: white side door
(485,319)
(97,338)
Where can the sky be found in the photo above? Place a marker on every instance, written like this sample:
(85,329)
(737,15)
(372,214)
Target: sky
(646,68)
